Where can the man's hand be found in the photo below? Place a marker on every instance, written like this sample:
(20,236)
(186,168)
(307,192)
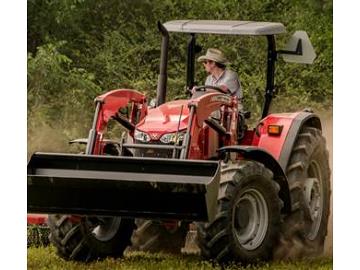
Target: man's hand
(224,88)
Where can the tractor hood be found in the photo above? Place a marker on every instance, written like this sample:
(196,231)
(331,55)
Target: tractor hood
(165,118)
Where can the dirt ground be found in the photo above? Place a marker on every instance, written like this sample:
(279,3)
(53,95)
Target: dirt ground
(327,124)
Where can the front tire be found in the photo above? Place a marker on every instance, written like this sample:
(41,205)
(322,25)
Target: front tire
(89,239)
(246,226)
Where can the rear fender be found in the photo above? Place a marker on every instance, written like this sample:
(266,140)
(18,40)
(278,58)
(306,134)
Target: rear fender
(259,155)
(280,146)
(301,120)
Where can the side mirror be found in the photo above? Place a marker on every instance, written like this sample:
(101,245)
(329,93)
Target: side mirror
(298,49)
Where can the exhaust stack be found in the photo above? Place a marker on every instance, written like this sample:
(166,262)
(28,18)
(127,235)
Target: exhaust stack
(162,81)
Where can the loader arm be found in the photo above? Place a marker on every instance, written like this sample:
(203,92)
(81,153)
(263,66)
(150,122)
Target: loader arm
(115,100)
(205,106)
(126,106)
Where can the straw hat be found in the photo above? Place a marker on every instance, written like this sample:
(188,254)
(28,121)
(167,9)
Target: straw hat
(214,55)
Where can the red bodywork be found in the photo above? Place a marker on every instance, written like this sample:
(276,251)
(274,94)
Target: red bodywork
(111,103)
(165,119)
(274,143)
(175,116)
(37,219)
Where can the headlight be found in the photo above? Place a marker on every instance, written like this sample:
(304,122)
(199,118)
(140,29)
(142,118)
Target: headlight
(172,138)
(141,136)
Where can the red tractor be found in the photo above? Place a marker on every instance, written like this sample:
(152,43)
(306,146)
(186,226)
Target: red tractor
(241,189)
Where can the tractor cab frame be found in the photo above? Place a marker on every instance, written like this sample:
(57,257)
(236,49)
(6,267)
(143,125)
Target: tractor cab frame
(241,28)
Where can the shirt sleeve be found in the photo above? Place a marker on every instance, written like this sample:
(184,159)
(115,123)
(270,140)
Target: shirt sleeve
(208,80)
(232,83)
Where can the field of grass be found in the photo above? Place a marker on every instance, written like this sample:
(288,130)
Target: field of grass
(46,258)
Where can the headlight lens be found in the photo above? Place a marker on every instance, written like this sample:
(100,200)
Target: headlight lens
(172,138)
(141,136)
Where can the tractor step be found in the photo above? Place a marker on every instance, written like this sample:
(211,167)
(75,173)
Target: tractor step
(123,186)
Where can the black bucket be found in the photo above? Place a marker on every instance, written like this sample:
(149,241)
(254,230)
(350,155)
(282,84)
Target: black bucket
(123,186)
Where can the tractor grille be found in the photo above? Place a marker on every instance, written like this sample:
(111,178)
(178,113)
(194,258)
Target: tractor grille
(158,153)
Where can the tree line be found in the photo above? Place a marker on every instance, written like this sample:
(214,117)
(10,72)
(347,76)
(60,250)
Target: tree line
(78,49)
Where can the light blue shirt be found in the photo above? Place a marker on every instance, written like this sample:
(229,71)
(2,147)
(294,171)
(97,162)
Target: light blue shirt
(228,78)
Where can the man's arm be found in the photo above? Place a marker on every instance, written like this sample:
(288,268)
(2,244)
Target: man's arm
(231,82)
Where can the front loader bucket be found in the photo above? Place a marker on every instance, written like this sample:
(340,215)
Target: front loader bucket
(123,186)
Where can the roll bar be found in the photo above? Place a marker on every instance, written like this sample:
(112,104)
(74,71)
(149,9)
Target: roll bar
(192,49)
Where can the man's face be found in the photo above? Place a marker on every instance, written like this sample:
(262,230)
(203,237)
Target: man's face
(209,66)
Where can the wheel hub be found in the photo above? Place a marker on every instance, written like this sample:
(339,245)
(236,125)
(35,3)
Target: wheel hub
(250,219)
(313,200)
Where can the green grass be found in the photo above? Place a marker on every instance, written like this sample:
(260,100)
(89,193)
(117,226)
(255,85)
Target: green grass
(46,258)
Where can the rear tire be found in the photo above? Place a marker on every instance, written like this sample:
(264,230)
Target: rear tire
(308,172)
(153,236)
(89,238)
(246,226)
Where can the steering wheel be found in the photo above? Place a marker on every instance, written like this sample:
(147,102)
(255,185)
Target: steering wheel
(202,88)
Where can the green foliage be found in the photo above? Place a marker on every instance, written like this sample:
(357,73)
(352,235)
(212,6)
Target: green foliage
(59,95)
(78,49)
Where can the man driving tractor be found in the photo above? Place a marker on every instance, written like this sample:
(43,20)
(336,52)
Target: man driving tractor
(215,62)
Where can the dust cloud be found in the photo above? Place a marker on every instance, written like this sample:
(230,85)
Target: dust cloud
(46,139)
(327,125)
